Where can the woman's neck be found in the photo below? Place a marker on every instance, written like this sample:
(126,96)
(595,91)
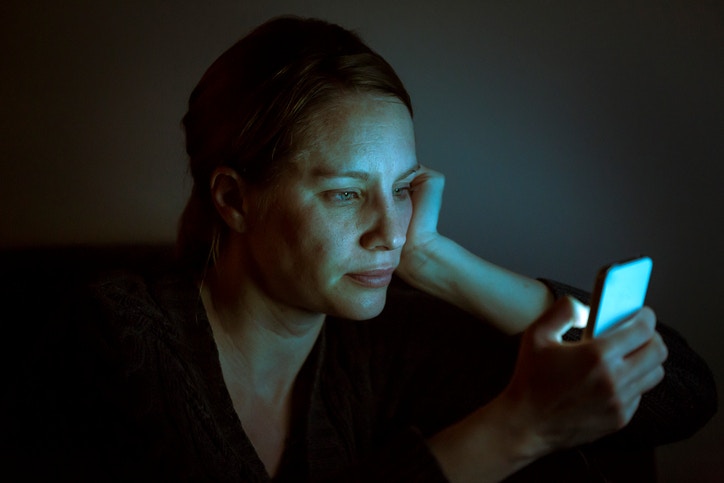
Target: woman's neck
(262,347)
(264,359)
(262,342)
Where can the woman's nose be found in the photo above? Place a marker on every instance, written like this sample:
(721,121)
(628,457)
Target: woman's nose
(388,230)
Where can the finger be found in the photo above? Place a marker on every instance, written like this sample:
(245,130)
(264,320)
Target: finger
(653,352)
(630,410)
(643,384)
(427,189)
(644,360)
(428,181)
(652,379)
(559,319)
(631,334)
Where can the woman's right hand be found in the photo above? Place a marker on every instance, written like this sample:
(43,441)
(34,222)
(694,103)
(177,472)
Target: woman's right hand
(564,394)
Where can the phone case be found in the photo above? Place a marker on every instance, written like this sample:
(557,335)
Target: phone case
(619,292)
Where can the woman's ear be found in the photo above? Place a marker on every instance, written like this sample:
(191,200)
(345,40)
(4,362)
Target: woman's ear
(227,193)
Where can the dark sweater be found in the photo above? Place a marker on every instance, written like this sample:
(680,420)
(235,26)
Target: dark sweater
(131,389)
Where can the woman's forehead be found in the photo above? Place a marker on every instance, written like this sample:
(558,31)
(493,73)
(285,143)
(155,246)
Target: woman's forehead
(318,166)
(357,131)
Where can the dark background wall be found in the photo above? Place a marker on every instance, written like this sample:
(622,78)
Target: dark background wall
(571,133)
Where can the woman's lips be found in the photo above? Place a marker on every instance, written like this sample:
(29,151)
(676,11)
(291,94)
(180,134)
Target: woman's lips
(373,278)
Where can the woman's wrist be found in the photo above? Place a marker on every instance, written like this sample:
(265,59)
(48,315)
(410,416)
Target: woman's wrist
(423,265)
(488,445)
(448,271)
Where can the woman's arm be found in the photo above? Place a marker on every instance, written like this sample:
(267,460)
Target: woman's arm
(444,269)
(561,395)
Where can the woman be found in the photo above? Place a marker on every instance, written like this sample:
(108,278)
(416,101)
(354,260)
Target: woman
(250,361)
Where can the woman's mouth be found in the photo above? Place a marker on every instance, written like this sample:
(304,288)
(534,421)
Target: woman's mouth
(377,278)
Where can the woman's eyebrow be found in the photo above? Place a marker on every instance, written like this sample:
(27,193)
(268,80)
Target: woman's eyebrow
(321,172)
(409,172)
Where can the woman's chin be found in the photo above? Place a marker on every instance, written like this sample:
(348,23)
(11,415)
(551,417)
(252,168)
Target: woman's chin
(364,306)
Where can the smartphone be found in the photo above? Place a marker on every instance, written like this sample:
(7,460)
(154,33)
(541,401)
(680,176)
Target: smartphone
(619,292)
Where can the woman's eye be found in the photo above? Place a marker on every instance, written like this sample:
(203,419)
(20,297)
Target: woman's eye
(344,196)
(402,191)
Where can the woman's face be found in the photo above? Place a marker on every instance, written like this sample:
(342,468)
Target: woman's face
(331,234)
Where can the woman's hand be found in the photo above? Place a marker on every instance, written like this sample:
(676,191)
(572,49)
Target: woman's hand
(562,394)
(567,394)
(444,269)
(426,194)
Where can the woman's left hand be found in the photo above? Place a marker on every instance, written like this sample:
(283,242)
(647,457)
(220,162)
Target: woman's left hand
(437,265)
(426,194)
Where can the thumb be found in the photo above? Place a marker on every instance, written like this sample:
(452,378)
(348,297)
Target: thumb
(566,313)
